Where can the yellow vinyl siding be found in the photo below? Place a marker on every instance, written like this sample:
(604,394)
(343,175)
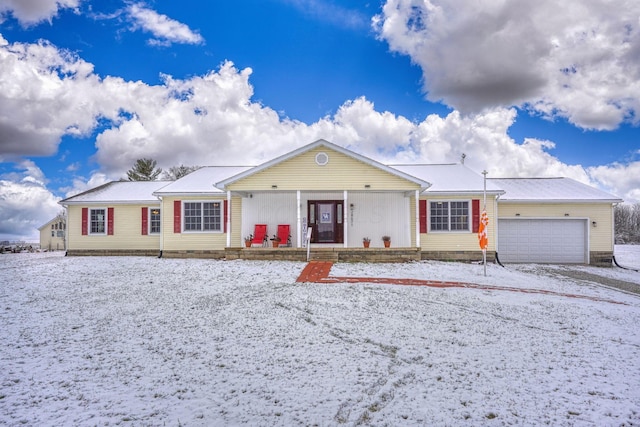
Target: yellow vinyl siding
(199,241)
(127,230)
(600,237)
(341,173)
(459,240)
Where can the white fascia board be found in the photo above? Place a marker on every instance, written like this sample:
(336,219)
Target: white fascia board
(110,202)
(461,193)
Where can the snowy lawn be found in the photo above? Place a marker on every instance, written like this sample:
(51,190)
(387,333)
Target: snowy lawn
(147,341)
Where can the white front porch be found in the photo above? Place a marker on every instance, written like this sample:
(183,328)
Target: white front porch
(363,214)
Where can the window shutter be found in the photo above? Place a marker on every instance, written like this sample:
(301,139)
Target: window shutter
(475,215)
(177,221)
(110,221)
(226,216)
(145,221)
(85,221)
(423,215)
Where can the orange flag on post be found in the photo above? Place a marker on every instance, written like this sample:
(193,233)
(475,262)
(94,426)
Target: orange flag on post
(482,231)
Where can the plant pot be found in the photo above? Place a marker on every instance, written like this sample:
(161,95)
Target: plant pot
(387,244)
(275,243)
(247,244)
(366,244)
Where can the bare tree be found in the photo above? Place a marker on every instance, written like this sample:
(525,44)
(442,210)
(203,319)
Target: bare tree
(627,223)
(177,172)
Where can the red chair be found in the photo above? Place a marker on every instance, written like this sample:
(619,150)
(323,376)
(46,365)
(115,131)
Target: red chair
(284,235)
(260,235)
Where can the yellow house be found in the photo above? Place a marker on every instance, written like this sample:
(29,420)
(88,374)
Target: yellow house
(328,200)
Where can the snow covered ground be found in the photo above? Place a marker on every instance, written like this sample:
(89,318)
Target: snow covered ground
(147,341)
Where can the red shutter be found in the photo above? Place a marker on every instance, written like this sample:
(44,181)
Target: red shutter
(422,204)
(177,221)
(85,221)
(110,221)
(226,216)
(475,215)
(145,221)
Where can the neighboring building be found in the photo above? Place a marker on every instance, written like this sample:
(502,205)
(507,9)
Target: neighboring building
(52,235)
(429,211)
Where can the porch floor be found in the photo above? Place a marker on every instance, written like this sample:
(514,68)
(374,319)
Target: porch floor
(332,254)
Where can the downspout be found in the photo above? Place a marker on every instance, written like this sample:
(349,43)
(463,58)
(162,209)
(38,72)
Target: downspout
(345,218)
(298,220)
(228,218)
(161,227)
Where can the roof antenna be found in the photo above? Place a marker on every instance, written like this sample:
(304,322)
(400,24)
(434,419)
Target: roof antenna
(462,158)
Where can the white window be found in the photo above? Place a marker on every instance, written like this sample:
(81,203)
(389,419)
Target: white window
(202,216)
(98,221)
(154,220)
(450,215)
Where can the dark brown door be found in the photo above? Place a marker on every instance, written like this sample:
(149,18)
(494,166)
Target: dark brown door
(326,220)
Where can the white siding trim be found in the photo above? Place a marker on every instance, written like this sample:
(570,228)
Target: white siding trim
(298,220)
(417,214)
(228,227)
(345,228)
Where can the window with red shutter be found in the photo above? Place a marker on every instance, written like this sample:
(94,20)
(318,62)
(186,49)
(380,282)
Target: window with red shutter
(422,207)
(177,220)
(145,221)
(85,221)
(110,221)
(475,215)
(226,214)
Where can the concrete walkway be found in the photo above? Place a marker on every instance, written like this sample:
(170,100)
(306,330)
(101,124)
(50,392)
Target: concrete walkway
(318,272)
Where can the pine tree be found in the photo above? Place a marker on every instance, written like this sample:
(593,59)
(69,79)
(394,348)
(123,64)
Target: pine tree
(144,170)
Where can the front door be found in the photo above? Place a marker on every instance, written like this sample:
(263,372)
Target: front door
(326,220)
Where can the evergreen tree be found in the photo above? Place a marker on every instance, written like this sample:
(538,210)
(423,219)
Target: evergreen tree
(144,170)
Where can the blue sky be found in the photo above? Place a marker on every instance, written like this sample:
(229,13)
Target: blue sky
(522,89)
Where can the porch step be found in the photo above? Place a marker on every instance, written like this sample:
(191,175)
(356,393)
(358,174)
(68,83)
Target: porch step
(320,255)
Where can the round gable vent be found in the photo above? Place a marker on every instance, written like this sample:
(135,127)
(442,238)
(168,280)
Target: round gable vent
(322,159)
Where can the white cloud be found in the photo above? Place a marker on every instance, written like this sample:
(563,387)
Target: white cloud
(25,203)
(575,59)
(212,119)
(31,12)
(623,180)
(165,30)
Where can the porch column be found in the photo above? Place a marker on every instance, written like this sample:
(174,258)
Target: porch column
(345,218)
(417,218)
(228,218)
(298,220)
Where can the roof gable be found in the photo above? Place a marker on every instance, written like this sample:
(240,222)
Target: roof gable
(343,169)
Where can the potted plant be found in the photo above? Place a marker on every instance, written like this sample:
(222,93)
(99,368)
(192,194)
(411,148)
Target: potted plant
(366,241)
(248,240)
(275,241)
(387,241)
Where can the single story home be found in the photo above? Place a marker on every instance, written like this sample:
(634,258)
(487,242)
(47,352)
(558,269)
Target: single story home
(52,234)
(339,198)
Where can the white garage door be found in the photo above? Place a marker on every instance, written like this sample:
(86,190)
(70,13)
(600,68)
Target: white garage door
(559,241)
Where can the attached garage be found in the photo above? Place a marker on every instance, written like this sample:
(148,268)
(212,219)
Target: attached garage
(543,240)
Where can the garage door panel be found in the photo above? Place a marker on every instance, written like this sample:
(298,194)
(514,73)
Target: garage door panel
(560,241)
